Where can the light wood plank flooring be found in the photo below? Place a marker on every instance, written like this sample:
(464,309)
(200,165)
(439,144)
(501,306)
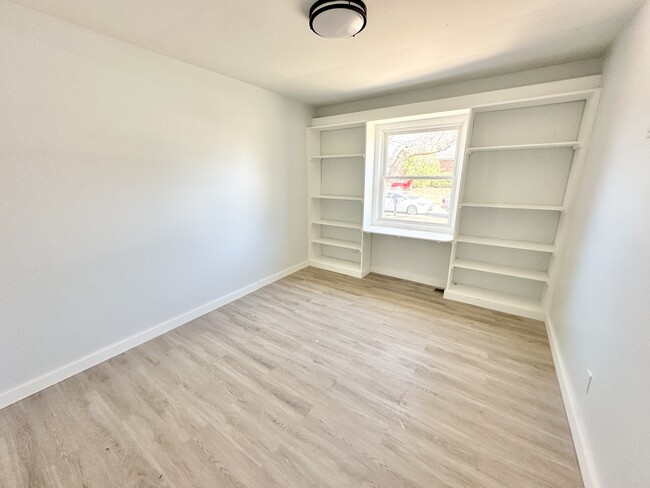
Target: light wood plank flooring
(318,380)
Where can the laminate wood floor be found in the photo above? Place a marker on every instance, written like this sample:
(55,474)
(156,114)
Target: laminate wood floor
(318,380)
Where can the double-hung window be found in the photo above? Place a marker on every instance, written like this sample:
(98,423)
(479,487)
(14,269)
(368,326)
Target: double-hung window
(412,173)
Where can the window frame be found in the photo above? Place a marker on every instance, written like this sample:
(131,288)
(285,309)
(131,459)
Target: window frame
(377,133)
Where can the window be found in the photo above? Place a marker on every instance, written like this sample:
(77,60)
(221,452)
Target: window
(412,171)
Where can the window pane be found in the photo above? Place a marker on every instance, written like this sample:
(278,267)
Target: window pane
(421,153)
(424,200)
(413,177)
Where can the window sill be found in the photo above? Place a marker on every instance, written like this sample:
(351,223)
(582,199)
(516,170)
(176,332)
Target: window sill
(413,234)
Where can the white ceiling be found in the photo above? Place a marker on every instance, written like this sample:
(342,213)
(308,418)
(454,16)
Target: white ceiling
(406,43)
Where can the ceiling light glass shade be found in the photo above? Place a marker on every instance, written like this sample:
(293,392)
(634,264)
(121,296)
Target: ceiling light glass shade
(337,18)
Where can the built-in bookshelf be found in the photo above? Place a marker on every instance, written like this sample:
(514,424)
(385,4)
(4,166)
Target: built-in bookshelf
(520,163)
(336,182)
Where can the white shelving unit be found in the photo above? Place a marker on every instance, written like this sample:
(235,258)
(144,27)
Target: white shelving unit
(336,180)
(520,168)
(525,149)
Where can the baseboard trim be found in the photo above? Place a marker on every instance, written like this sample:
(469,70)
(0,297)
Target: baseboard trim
(405,275)
(45,381)
(585,459)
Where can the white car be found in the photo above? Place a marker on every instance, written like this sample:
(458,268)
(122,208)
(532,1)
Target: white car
(404,202)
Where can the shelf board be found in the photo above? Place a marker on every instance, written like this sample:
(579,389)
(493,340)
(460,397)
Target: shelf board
(495,300)
(515,206)
(338,243)
(501,270)
(338,265)
(490,241)
(338,223)
(339,156)
(328,127)
(519,147)
(410,233)
(339,197)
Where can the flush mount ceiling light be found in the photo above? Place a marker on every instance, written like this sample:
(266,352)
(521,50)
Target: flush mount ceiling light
(337,18)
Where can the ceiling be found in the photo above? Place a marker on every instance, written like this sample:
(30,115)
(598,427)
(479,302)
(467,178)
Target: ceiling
(407,43)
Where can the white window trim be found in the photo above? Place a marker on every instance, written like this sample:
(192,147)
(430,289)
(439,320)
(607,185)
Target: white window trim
(375,136)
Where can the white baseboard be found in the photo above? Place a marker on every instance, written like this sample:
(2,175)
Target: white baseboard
(405,275)
(575,424)
(93,359)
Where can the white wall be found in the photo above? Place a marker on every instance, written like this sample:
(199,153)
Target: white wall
(411,259)
(601,310)
(564,71)
(133,188)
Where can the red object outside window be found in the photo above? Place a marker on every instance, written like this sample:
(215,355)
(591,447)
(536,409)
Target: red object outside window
(404,185)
